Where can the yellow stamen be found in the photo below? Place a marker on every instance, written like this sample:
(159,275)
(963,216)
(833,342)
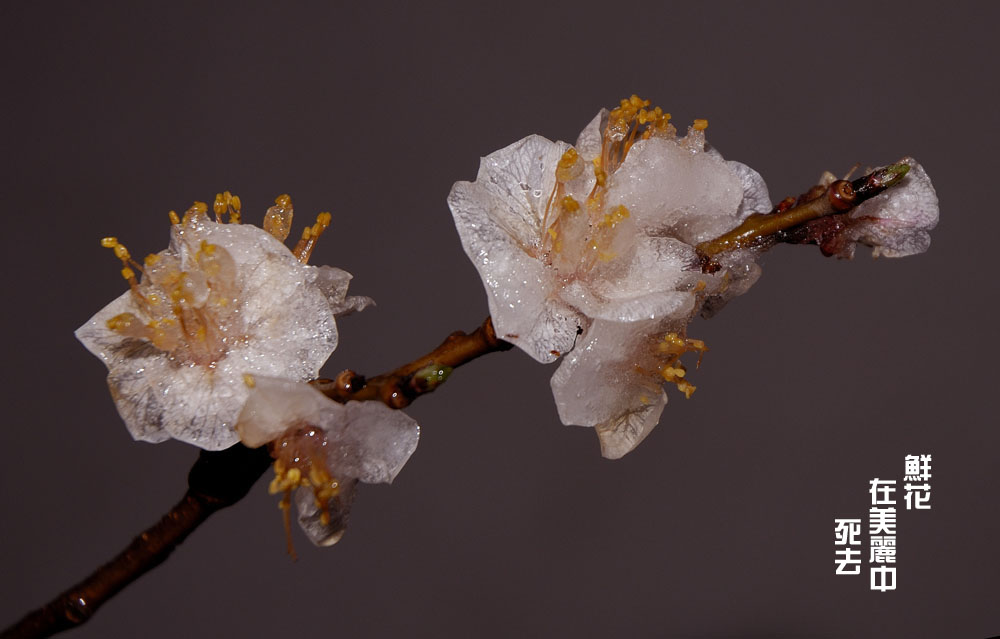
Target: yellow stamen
(569,166)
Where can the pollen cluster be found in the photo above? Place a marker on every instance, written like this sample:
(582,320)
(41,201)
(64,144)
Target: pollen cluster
(668,351)
(574,244)
(190,299)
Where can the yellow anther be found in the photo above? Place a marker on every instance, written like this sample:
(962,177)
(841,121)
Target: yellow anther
(553,233)
(128,274)
(306,233)
(293,476)
(121,252)
(249,380)
(323,219)
(700,125)
(569,166)
(570,205)
(173,217)
(151,259)
(234,208)
(617,215)
(283,200)
(121,321)
(220,206)
(109,242)
(569,158)
(206,248)
(200,208)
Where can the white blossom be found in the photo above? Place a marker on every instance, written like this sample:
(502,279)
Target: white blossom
(323,448)
(591,251)
(221,302)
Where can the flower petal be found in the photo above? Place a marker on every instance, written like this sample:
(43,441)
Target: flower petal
(620,435)
(498,220)
(652,283)
(588,144)
(602,383)
(333,282)
(695,195)
(366,440)
(512,190)
(756,199)
(158,398)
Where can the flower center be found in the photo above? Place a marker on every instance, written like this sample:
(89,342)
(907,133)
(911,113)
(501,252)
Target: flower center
(191,309)
(580,235)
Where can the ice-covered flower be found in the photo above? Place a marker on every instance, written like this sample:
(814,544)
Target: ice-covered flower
(593,250)
(322,448)
(224,300)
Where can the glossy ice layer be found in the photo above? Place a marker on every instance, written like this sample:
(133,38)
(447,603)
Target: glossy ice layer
(588,252)
(222,301)
(322,448)
(592,246)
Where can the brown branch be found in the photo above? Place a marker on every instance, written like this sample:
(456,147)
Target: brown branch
(217,480)
(400,387)
(220,479)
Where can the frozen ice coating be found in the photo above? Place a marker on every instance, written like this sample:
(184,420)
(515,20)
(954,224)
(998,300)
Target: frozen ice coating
(593,246)
(590,252)
(898,222)
(601,384)
(221,302)
(325,530)
(323,448)
(692,195)
(364,440)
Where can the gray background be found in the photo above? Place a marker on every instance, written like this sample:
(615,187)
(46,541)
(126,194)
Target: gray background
(504,522)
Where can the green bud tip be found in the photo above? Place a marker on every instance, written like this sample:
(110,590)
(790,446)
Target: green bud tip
(892,174)
(433,375)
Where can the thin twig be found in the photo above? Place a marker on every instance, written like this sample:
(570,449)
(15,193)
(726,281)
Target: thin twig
(217,480)
(840,196)
(400,387)
(220,479)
